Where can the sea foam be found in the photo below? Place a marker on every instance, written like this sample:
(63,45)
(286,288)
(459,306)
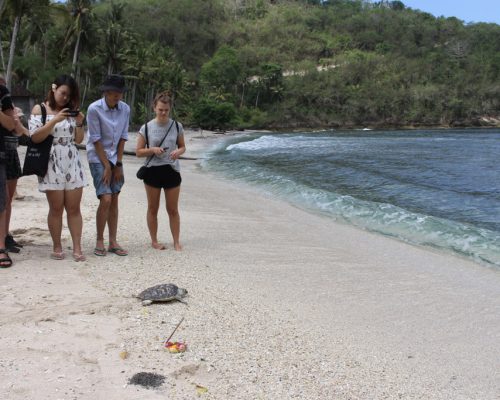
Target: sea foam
(277,164)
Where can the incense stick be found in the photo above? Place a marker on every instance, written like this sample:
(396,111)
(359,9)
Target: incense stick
(172,334)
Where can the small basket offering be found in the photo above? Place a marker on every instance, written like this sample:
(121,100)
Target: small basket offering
(176,347)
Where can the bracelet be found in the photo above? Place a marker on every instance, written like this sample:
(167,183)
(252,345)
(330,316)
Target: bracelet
(79,125)
(119,164)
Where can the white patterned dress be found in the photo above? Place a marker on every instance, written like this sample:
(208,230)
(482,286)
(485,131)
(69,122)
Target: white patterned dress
(65,171)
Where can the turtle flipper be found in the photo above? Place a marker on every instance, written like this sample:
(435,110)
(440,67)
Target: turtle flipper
(179,298)
(147,302)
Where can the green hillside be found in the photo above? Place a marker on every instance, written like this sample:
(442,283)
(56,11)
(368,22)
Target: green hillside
(266,64)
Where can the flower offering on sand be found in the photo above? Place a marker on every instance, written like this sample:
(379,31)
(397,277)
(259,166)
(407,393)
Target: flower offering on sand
(176,347)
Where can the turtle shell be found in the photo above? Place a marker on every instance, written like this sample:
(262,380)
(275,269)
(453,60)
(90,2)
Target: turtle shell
(163,292)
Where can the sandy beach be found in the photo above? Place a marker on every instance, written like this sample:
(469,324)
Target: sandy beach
(282,304)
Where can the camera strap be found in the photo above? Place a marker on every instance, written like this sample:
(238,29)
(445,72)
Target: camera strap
(164,137)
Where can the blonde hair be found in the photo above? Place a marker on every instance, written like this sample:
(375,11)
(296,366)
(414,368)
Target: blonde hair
(165,97)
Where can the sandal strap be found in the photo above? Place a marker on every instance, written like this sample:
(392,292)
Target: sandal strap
(5,262)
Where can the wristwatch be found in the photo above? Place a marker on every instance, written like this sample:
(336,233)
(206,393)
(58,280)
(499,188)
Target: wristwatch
(119,164)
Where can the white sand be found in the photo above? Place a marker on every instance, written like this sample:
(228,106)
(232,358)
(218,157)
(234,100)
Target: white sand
(282,304)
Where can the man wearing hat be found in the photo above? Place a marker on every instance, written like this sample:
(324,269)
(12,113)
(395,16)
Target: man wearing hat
(108,121)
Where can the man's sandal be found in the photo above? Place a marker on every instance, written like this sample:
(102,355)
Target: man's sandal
(100,252)
(5,261)
(118,251)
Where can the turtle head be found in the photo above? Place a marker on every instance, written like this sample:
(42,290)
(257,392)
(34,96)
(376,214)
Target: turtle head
(181,292)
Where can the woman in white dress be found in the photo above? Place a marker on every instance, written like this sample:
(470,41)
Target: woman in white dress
(63,184)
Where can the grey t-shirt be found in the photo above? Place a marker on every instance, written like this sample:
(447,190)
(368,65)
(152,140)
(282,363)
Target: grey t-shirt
(156,132)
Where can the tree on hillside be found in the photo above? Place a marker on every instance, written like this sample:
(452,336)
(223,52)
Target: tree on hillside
(267,85)
(250,63)
(221,75)
(192,28)
(155,68)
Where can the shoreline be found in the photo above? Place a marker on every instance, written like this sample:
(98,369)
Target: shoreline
(375,128)
(282,304)
(455,244)
(488,123)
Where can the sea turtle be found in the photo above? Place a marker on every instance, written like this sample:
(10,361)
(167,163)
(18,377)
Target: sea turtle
(161,293)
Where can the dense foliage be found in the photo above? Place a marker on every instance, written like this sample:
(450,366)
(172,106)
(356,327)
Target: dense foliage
(263,63)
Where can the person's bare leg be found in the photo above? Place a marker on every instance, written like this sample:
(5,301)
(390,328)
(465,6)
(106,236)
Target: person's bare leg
(6,262)
(72,200)
(3,232)
(172,200)
(102,219)
(11,190)
(113,227)
(153,195)
(54,220)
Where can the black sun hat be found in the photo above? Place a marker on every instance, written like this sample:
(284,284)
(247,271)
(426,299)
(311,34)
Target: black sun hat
(114,83)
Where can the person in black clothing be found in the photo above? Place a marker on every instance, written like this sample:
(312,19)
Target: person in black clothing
(7,124)
(12,166)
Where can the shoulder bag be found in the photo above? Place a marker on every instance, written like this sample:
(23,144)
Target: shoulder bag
(37,156)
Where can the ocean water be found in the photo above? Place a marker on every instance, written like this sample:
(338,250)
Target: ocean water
(438,188)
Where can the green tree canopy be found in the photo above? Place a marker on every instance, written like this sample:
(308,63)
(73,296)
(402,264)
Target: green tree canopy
(275,63)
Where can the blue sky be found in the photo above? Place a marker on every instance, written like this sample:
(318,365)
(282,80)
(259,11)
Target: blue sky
(466,10)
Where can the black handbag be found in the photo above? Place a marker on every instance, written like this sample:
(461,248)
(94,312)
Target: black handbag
(141,173)
(37,156)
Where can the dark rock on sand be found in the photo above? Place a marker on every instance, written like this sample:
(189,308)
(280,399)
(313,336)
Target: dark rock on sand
(147,379)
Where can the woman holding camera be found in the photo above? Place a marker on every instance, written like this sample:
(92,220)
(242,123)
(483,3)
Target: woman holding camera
(65,178)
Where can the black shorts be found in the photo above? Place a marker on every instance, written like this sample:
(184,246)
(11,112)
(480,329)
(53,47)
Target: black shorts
(162,177)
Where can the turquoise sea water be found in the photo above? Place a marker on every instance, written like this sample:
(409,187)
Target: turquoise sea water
(428,187)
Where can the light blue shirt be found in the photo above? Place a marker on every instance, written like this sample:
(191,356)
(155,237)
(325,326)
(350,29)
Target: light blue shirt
(107,125)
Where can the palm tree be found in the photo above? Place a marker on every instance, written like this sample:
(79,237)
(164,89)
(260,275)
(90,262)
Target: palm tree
(80,12)
(116,38)
(18,9)
(2,4)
